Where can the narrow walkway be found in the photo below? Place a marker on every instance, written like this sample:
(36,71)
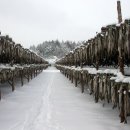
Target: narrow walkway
(51,102)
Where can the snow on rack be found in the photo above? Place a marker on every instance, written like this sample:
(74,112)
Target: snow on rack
(118,77)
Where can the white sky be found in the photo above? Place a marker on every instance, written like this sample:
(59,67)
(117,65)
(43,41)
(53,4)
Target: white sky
(33,21)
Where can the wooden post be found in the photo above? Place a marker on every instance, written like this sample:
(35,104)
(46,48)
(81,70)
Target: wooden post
(28,76)
(82,83)
(72,76)
(119,11)
(76,82)
(31,72)
(34,71)
(21,76)
(121,56)
(0,94)
(11,82)
(13,87)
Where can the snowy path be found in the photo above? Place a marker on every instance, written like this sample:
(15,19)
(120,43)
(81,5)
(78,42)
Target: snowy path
(51,102)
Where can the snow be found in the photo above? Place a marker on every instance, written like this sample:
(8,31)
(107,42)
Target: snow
(52,60)
(51,102)
(118,77)
(93,70)
(6,66)
(126,80)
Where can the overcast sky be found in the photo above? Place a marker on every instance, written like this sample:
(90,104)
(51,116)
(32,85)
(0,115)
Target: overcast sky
(33,21)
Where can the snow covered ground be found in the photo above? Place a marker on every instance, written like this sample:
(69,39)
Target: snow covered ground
(51,102)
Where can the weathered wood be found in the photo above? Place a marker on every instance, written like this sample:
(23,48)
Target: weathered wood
(119,11)
(15,58)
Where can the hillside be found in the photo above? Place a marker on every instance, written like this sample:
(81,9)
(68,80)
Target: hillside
(51,49)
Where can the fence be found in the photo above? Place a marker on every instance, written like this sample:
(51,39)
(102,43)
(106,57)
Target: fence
(102,66)
(18,62)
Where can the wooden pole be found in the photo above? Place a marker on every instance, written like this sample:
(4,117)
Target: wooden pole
(121,56)
(119,11)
